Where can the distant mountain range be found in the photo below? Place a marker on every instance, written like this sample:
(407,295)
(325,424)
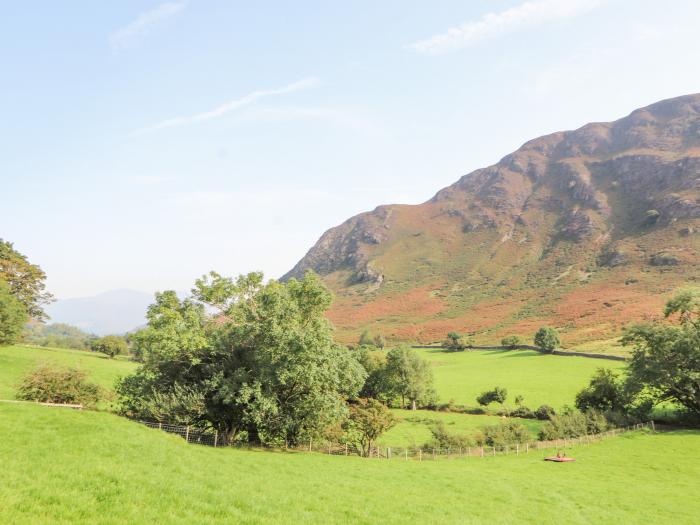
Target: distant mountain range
(112,312)
(586,230)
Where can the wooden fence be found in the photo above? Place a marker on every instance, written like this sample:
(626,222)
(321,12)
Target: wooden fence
(423,453)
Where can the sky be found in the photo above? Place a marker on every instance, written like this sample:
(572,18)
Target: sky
(145,143)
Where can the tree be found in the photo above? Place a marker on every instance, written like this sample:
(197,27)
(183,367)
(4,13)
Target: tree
(379,341)
(13,316)
(50,384)
(454,342)
(604,392)
(547,339)
(261,359)
(26,280)
(519,399)
(512,341)
(666,358)
(409,377)
(497,395)
(110,345)
(368,419)
(59,335)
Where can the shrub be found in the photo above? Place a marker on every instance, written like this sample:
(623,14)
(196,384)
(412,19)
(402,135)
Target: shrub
(547,339)
(512,341)
(507,433)
(544,412)
(49,384)
(573,424)
(604,392)
(442,438)
(524,412)
(454,342)
(368,419)
(497,395)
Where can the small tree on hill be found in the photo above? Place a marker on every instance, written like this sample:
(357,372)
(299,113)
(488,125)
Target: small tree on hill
(497,395)
(454,342)
(547,339)
(379,341)
(409,377)
(368,419)
(111,345)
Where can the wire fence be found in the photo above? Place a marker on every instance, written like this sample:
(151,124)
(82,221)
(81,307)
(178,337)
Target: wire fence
(420,453)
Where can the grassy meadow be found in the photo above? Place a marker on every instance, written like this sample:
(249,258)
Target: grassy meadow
(62,466)
(17,361)
(540,378)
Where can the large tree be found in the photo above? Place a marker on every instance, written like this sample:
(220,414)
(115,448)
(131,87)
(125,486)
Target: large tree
(13,316)
(260,358)
(26,280)
(409,377)
(666,357)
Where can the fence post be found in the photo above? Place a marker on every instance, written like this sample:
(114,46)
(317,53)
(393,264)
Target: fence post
(527,448)
(653,429)
(346,449)
(517,449)
(329,448)
(494,451)
(216,437)
(160,426)
(420,454)
(406,453)
(187,434)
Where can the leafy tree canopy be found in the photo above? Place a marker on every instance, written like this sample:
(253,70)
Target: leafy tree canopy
(110,345)
(260,362)
(13,316)
(666,357)
(26,280)
(547,339)
(409,377)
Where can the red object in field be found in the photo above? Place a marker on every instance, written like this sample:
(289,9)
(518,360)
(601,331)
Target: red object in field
(559,459)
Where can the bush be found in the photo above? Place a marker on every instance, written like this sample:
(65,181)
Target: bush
(547,339)
(524,412)
(604,392)
(442,438)
(454,342)
(512,341)
(48,384)
(507,433)
(573,424)
(497,395)
(545,412)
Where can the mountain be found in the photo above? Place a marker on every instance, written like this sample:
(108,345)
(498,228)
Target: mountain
(585,230)
(113,312)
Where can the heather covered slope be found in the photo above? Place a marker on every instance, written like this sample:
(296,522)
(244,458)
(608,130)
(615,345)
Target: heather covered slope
(586,230)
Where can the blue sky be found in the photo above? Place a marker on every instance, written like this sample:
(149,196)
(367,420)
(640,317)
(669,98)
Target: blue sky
(144,143)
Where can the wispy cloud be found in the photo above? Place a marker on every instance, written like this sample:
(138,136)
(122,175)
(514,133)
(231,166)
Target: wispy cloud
(232,105)
(493,25)
(142,25)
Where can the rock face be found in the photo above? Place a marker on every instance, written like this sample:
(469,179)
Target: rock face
(566,211)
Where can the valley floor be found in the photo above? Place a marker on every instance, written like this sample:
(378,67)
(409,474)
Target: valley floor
(60,466)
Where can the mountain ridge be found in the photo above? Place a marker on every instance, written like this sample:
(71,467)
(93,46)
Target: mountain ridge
(565,211)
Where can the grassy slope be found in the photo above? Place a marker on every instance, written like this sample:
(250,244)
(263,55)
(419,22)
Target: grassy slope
(414,427)
(70,467)
(540,378)
(16,361)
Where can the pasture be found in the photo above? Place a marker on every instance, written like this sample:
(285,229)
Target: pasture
(540,378)
(16,361)
(61,467)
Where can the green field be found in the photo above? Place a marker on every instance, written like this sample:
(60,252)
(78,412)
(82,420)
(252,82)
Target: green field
(413,428)
(16,361)
(540,378)
(61,466)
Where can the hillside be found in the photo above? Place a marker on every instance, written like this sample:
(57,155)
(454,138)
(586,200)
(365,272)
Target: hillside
(88,467)
(585,230)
